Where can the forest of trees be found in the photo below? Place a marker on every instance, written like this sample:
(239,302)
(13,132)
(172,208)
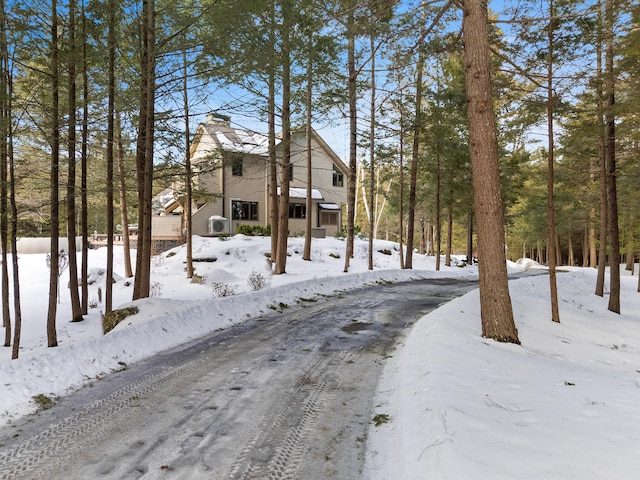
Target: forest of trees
(485,130)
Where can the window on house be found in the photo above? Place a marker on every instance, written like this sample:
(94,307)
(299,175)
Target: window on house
(338,177)
(328,218)
(297,210)
(291,172)
(236,167)
(244,210)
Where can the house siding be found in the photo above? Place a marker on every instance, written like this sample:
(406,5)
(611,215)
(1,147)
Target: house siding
(166,227)
(249,187)
(322,179)
(200,219)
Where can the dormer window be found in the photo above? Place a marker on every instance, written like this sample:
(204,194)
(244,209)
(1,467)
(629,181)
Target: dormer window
(338,177)
(236,167)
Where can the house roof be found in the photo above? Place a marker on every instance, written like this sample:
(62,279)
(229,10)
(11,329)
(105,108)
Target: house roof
(235,140)
(329,206)
(164,201)
(295,192)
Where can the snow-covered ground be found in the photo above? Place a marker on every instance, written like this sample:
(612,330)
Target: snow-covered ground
(563,405)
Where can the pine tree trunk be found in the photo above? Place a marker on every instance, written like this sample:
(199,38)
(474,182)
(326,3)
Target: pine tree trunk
(5,120)
(604,209)
(306,255)
(495,302)
(401,193)
(590,254)
(144,152)
(447,258)
(52,335)
(273,160)
(353,137)
(415,154)
(438,210)
(372,155)
(470,238)
(111,50)
(570,262)
(124,213)
(84,207)
(283,220)
(551,217)
(630,257)
(187,167)
(610,155)
(585,247)
(17,310)
(638,288)
(273,170)
(76,308)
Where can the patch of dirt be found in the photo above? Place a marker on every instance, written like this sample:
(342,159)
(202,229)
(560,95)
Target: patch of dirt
(355,327)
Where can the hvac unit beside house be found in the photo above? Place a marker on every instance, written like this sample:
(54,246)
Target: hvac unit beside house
(219,225)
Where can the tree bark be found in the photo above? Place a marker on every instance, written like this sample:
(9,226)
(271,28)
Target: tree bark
(604,209)
(111,94)
(76,308)
(495,302)
(415,154)
(438,209)
(273,160)
(124,214)
(353,136)
(610,156)
(590,252)
(570,260)
(306,255)
(144,152)
(283,220)
(17,310)
(84,207)
(447,258)
(5,121)
(187,167)
(52,335)
(551,219)
(630,255)
(372,154)
(470,238)
(401,193)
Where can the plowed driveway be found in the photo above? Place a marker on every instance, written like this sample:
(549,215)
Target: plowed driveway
(283,396)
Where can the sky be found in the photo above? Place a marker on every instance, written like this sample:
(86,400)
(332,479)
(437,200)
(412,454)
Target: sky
(562,405)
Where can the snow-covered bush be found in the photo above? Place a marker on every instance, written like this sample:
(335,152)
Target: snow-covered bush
(221,289)
(256,281)
(155,290)
(93,303)
(157,260)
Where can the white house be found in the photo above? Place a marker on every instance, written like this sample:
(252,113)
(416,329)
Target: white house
(231,181)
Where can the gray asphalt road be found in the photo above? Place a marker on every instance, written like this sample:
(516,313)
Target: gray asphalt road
(283,396)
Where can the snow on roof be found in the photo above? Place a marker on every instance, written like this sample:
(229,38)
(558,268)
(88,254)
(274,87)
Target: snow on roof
(163,200)
(329,206)
(171,204)
(235,140)
(247,142)
(296,192)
